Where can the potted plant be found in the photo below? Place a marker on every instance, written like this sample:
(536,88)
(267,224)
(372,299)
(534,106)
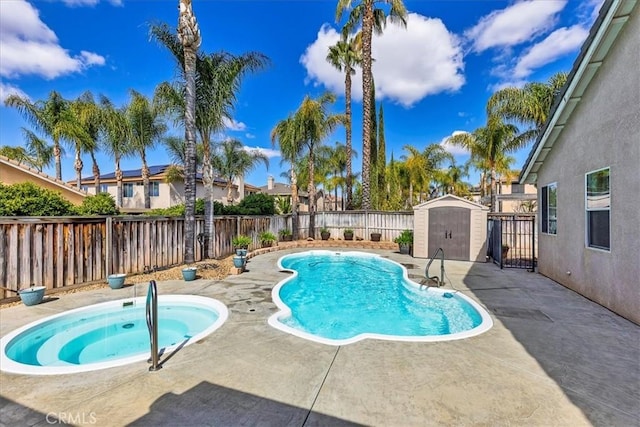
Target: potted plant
(375,237)
(239,261)
(267,238)
(286,235)
(405,241)
(348,234)
(189,273)
(241,243)
(324,233)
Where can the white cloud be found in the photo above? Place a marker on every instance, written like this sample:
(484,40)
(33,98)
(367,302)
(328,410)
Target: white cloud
(233,125)
(454,149)
(249,135)
(7,89)
(515,24)
(555,45)
(28,46)
(80,3)
(266,151)
(435,64)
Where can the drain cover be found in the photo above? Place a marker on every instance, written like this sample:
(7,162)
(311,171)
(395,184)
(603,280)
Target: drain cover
(127,325)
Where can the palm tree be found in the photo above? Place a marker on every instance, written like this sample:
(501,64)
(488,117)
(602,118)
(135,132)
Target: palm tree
(233,162)
(89,117)
(345,55)
(290,146)
(372,19)
(52,118)
(218,79)
(145,130)
(189,35)
(17,154)
(529,105)
(491,143)
(115,138)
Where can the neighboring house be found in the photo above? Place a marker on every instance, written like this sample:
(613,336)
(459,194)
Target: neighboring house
(163,194)
(12,172)
(515,197)
(278,189)
(586,165)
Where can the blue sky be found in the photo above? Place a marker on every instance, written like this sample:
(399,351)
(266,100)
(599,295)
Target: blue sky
(433,78)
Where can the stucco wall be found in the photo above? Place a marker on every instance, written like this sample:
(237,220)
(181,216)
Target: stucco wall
(12,175)
(603,131)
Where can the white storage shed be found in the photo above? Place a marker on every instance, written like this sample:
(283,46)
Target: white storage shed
(456,225)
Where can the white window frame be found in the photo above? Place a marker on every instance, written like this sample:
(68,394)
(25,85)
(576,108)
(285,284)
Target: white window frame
(542,206)
(587,210)
(104,188)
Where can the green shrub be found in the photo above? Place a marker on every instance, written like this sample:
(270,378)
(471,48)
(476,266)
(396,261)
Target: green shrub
(405,238)
(100,204)
(257,204)
(27,199)
(241,241)
(267,237)
(285,232)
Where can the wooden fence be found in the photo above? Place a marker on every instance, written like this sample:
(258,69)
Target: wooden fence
(58,252)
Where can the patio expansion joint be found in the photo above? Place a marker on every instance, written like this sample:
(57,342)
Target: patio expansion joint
(315,398)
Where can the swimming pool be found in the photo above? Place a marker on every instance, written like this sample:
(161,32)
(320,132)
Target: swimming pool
(108,334)
(339,298)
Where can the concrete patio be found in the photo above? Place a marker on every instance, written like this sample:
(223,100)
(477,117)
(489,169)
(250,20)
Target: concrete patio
(551,358)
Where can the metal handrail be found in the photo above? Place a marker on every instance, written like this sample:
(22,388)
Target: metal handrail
(152,324)
(439,281)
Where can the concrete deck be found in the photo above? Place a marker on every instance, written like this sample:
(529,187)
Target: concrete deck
(551,358)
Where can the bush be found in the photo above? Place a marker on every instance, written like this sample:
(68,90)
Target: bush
(100,204)
(257,204)
(267,237)
(27,199)
(241,241)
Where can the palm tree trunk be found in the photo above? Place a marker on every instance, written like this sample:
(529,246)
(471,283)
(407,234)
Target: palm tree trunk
(347,107)
(57,154)
(145,181)
(118,183)
(189,35)
(311,189)
(367,32)
(493,190)
(77,165)
(209,214)
(96,172)
(294,203)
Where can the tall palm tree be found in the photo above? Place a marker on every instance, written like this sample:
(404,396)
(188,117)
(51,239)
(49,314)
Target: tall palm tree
(491,143)
(189,35)
(116,139)
(345,55)
(233,162)
(146,129)
(52,118)
(529,105)
(372,19)
(18,154)
(39,152)
(89,116)
(218,79)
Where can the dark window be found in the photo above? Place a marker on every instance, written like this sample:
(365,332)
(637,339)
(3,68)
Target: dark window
(549,209)
(598,206)
(154,189)
(127,190)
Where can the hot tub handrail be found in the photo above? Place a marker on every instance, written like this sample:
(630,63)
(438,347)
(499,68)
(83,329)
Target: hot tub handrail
(152,324)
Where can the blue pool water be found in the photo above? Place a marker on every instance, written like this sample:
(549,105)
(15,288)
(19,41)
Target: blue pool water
(108,334)
(339,298)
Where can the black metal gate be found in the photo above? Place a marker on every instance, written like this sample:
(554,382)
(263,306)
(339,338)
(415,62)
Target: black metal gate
(512,240)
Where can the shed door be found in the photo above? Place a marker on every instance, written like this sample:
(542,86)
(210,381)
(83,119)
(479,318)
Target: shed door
(450,229)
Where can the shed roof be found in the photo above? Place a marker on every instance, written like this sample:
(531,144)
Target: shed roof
(449,198)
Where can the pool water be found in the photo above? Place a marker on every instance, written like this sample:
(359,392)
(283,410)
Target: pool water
(342,297)
(105,334)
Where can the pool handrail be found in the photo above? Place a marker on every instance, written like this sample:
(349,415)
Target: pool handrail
(440,280)
(152,324)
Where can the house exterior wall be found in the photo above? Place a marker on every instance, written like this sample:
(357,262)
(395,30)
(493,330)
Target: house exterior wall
(603,131)
(513,206)
(15,175)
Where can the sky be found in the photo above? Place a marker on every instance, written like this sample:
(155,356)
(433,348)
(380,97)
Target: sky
(433,77)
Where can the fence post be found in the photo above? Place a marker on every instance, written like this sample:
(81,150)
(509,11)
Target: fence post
(109,240)
(366,223)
